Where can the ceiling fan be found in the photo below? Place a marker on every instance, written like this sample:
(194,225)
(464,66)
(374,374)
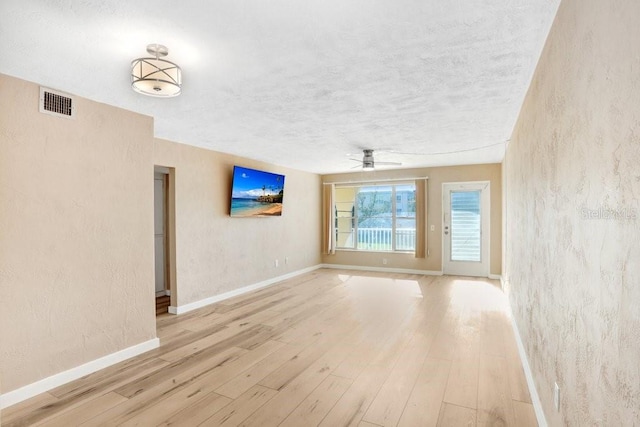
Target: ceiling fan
(368,164)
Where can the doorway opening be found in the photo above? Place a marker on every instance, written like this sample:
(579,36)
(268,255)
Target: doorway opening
(164,252)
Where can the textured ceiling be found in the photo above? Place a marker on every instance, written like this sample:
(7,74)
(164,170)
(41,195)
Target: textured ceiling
(305,84)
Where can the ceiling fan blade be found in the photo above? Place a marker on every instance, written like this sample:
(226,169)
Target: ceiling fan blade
(357,160)
(388,163)
(356,167)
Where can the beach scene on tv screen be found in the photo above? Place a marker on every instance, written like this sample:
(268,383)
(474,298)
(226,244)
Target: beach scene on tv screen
(256,193)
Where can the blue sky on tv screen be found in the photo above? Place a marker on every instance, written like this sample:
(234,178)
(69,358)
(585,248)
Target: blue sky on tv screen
(251,183)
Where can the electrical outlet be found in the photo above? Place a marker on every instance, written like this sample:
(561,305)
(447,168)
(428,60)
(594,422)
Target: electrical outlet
(433,227)
(286,260)
(556,396)
(276,263)
(384,261)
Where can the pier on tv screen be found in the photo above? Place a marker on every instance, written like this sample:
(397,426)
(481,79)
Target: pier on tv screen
(256,193)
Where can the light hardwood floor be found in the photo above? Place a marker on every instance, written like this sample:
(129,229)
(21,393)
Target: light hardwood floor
(329,348)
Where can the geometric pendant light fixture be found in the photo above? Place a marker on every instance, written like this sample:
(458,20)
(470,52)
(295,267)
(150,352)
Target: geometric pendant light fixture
(155,76)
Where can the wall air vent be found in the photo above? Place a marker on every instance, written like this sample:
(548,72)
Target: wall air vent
(57,103)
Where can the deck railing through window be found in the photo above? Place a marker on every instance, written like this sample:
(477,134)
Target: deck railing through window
(380,239)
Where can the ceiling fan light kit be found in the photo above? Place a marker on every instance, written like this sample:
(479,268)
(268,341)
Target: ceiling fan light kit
(368,163)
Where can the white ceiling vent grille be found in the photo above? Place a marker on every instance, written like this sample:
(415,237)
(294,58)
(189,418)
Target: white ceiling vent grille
(57,103)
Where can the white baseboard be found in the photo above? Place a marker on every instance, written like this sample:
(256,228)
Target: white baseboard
(46,384)
(535,398)
(382,269)
(495,277)
(181,309)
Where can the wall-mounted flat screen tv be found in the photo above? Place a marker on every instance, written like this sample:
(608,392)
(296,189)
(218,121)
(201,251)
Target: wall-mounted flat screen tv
(256,193)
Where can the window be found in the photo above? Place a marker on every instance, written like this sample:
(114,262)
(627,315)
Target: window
(376,217)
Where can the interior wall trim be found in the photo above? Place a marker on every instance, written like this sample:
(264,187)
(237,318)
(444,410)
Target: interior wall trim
(49,383)
(382,269)
(535,398)
(181,309)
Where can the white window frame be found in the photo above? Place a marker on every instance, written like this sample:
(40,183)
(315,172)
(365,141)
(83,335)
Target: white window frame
(394,216)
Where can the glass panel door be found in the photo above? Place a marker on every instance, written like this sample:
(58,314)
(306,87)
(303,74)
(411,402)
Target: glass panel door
(465,228)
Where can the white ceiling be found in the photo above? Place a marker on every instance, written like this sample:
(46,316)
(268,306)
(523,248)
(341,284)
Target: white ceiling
(305,84)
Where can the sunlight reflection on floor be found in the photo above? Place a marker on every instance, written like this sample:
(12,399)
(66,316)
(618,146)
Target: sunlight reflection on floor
(373,296)
(476,294)
(373,299)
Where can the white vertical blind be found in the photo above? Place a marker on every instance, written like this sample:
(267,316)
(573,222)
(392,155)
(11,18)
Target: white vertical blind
(465,226)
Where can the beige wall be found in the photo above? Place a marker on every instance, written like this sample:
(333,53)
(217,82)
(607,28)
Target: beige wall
(437,176)
(216,253)
(76,257)
(573,282)
(76,217)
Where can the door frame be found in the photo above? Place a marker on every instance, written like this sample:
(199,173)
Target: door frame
(170,233)
(483,269)
(161,175)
